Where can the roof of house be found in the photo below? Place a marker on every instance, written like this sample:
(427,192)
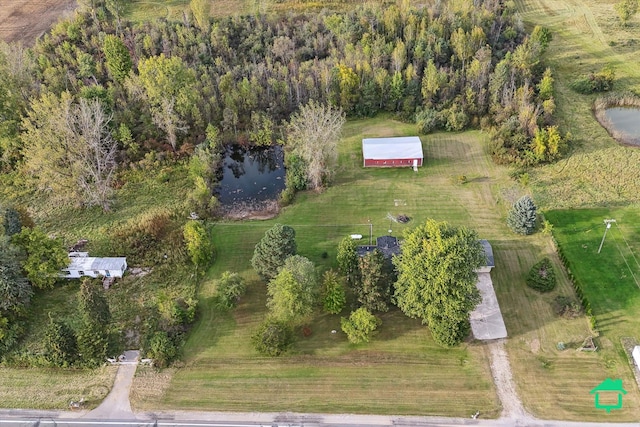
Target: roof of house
(388,245)
(405,147)
(488,252)
(94,263)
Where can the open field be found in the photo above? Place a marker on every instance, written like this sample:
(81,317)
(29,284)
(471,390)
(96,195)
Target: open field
(25,20)
(222,372)
(586,37)
(54,388)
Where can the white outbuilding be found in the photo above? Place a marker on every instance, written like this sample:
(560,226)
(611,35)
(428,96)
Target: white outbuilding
(81,266)
(392,152)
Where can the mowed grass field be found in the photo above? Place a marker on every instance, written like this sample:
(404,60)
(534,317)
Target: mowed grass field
(610,279)
(402,371)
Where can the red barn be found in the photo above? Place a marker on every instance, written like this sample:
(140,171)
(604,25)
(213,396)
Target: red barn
(392,152)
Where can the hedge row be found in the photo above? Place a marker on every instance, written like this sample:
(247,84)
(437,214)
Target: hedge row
(586,305)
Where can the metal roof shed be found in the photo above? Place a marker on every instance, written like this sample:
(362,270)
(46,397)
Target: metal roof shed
(392,152)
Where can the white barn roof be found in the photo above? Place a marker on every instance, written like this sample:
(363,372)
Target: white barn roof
(404,147)
(93,263)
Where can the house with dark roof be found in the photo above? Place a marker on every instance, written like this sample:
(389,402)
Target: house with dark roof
(488,253)
(388,245)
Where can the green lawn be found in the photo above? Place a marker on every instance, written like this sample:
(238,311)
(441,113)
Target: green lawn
(222,371)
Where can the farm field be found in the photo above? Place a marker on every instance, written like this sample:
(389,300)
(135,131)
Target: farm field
(25,20)
(222,372)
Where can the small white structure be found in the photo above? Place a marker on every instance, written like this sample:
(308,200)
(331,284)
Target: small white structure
(80,266)
(635,354)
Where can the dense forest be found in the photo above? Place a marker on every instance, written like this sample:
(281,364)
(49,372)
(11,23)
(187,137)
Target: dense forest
(156,86)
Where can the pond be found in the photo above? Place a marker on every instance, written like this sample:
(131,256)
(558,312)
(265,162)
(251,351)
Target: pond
(626,122)
(250,176)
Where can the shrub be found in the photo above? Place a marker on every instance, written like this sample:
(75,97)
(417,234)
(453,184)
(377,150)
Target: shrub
(427,120)
(601,81)
(360,325)
(231,287)
(542,276)
(567,307)
(198,242)
(522,216)
(161,349)
(272,338)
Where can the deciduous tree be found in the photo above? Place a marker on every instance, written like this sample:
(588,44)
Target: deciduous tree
(436,278)
(360,325)
(230,288)
(45,256)
(70,150)
(272,338)
(293,293)
(198,242)
(313,134)
(626,9)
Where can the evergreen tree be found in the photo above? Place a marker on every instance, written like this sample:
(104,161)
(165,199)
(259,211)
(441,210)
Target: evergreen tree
(15,290)
(11,222)
(374,289)
(117,57)
(334,296)
(60,344)
(522,216)
(93,336)
(542,276)
(347,258)
(277,244)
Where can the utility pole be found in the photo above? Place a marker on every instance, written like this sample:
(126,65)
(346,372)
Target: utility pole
(608,224)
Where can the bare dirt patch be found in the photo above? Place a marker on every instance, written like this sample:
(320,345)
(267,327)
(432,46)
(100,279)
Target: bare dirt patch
(25,20)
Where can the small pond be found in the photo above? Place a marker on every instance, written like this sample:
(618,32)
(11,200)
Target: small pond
(251,175)
(626,121)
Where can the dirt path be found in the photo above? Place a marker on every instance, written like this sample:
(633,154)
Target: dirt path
(505,387)
(116,405)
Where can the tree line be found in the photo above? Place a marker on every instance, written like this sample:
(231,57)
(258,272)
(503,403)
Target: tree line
(98,92)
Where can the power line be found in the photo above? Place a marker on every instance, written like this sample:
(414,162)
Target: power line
(629,247)
(625,261)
